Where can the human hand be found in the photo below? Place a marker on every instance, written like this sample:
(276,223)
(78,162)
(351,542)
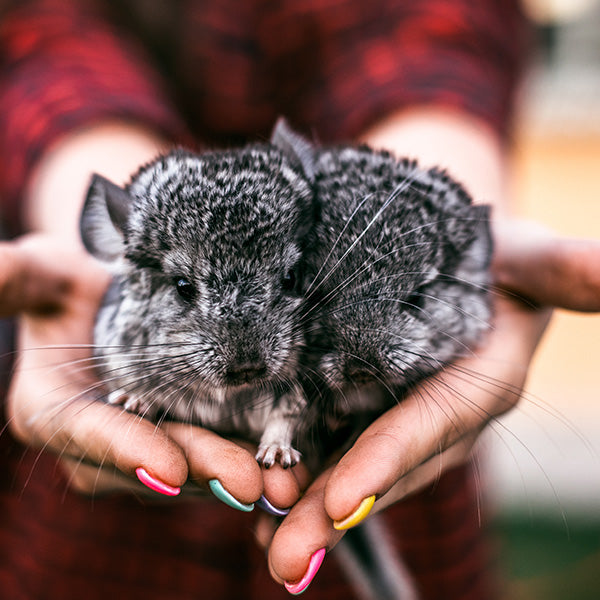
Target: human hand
(436,426)
(53,403)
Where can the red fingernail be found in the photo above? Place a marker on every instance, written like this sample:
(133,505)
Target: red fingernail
(155,484)
(313,566)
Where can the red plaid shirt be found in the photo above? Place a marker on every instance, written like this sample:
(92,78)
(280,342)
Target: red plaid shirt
(221,72)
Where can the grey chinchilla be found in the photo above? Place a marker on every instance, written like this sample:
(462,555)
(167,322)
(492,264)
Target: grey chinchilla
(201,322)
(398,264)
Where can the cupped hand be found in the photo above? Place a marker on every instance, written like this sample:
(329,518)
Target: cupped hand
(53,399)
(435,427)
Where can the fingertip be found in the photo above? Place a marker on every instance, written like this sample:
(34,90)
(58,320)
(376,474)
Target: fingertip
(281,487)
(216,487)
(314,564)
(156,484)
(237,470)
(347,491)
(307,530)
(151,453)
(213,458)
(357,516)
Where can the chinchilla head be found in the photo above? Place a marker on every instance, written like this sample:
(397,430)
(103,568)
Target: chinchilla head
(400,266)
(207,255)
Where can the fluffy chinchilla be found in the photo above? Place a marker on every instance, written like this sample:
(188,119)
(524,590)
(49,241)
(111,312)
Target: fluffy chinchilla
(398,264)
(201,322)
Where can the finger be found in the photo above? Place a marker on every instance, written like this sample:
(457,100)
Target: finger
(533,262)
(228,468)
(298,545)
(92,480)
(26,283)
(38,275)
(89,431)
(426,473)
(282,487)
(453,405)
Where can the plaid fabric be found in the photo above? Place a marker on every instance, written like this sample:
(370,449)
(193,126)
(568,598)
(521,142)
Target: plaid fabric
(220,72)
(230,68)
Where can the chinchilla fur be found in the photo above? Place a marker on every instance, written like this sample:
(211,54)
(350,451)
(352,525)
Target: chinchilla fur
(201,323)
(398,263)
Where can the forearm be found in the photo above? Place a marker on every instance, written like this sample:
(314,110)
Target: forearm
(470,150)
(58,185)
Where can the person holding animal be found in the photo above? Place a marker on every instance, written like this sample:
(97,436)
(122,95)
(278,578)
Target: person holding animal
(108,106)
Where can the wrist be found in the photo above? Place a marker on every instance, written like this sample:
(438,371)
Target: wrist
(58,184)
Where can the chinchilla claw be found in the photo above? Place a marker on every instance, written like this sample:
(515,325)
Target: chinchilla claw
(287,456)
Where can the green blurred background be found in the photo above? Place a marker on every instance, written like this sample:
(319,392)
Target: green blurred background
(543,460)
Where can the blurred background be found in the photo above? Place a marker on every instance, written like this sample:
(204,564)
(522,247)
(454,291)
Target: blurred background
(544,458)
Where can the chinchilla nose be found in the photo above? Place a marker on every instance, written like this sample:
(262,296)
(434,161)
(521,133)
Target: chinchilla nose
(356,371)
(245,372)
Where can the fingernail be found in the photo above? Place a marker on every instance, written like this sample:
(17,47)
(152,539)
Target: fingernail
(268,507)
(222,494)
(313,566)
(364,508)
(155,484)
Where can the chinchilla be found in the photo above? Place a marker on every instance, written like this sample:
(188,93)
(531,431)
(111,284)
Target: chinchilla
(201,321)
(398,264)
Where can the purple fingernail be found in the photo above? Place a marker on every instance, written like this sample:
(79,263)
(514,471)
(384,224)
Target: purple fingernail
(268,507)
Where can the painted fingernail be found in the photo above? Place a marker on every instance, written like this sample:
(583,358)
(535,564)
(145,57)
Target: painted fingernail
(222,494)
(155,484)
(364,508)
(313,566)
(268,507)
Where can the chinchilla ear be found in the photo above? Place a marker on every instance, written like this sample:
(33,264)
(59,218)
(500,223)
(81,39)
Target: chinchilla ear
(299,151)
(103,219)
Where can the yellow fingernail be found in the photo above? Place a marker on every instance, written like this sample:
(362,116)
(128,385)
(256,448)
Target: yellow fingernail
(364,508)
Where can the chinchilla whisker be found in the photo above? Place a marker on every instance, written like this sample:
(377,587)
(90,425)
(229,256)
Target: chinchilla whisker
(502,292)
(373,369)
(495,424)
(387,277)
(67,443)
(397,250)
(364,268)
(312,284)
(341,308)
(399,189)
(95,363)
(530,399)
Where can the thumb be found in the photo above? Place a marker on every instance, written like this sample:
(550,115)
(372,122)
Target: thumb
(30,280)
(549,270)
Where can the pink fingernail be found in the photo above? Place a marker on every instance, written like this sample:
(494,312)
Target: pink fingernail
(313,566)
(155,484)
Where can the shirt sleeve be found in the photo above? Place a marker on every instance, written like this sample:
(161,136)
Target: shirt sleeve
(63,67)
(353,62)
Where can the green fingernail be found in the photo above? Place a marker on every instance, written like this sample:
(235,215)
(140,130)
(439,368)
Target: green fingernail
(222,494)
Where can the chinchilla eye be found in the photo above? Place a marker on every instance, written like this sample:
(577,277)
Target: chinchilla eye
(416,299)
(184,288)
(289,281)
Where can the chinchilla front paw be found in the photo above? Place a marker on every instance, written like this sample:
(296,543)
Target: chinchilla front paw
(284,454)
(131,403)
